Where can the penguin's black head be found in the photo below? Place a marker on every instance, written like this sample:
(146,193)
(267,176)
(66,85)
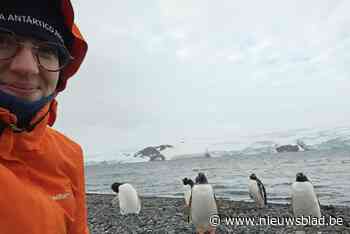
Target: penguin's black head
(115,187)
(187,181)
(300,177)
(252,177)
(201,178)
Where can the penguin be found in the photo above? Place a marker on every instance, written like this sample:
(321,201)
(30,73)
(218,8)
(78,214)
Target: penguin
(257,191)
(187,193)
(129,201)
(202,204)
(304,200)
(187,196)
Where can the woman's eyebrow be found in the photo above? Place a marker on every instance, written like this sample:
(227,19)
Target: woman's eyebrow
(33,40)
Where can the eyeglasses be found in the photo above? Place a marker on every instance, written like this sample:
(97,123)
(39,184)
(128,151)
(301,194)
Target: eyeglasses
(51,56)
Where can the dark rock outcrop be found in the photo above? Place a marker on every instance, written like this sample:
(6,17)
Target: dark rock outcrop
(292,148)
(287,148)
(207,154)
(152,152)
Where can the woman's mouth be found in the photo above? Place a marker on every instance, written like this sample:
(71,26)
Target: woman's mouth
(20,90)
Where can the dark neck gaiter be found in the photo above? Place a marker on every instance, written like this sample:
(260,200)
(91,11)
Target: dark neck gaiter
(24,110)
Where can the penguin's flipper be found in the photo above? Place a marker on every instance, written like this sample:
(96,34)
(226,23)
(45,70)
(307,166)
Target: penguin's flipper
(262,190)
(215,199)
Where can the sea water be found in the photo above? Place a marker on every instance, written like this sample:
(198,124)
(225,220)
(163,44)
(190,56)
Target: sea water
(327,169)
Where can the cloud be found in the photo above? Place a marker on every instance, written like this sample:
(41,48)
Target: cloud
(160,69)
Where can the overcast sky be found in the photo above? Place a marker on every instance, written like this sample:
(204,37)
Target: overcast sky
(160,71)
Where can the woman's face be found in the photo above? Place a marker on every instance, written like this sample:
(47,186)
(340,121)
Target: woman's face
(21,75)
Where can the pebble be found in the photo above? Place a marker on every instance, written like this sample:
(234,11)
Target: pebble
(165,216)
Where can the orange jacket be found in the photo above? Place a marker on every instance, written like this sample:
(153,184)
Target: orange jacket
(41,179)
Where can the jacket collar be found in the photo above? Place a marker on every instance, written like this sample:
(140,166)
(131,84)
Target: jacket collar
(25,141)
(8,118)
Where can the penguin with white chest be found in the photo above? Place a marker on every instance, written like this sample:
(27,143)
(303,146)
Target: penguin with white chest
(257,191)
(203,205)
(304,200)
(187,196)
(187,192)
(129,201)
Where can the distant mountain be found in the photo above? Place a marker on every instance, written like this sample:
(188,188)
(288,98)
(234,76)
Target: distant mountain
(304,139)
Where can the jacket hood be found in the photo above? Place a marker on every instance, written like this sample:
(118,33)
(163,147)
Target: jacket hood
(77,49)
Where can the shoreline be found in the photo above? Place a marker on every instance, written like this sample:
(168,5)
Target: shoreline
(220,198)
(166,215)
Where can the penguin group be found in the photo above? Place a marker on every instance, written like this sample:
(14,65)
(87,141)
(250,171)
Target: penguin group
(304,199)
(201,204)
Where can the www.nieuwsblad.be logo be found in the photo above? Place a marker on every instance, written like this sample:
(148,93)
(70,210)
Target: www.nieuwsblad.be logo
(216,220)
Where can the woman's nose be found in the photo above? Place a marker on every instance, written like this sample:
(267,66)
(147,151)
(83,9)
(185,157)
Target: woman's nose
(24,62)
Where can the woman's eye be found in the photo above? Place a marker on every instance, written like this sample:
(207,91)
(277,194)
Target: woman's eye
(48,52)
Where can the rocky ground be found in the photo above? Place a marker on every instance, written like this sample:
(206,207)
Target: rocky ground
(166,215)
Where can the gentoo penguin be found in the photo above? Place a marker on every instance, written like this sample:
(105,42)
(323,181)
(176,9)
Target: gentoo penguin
(187,193)
(203,205)
(304,199)
(187,196)
(129,201)
(257,191)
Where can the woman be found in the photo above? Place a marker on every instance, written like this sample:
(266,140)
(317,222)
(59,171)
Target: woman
(41,170)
